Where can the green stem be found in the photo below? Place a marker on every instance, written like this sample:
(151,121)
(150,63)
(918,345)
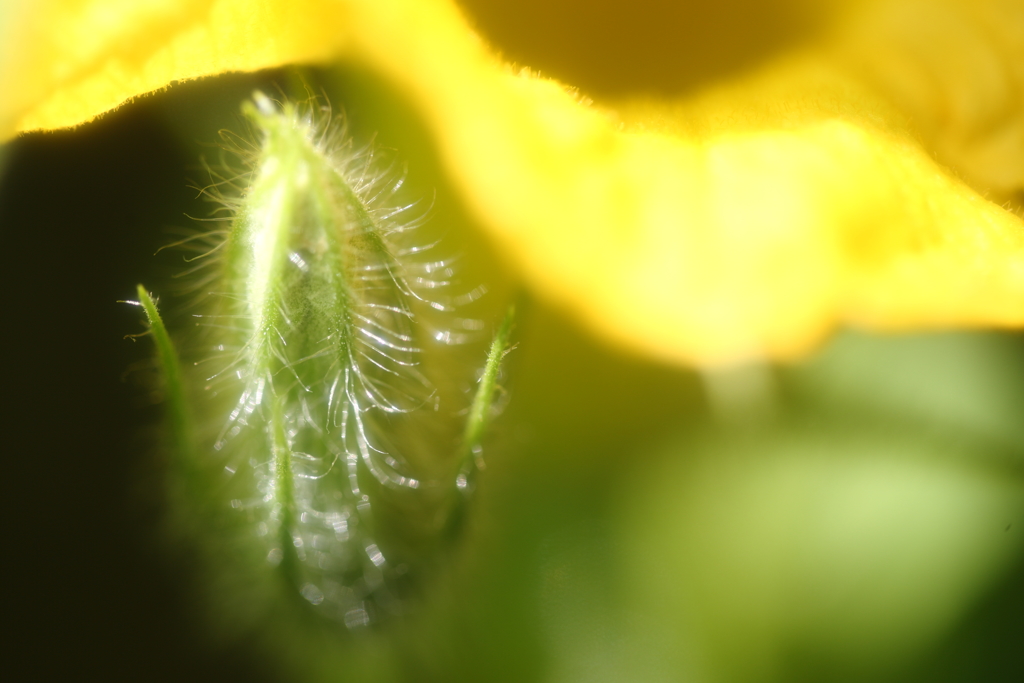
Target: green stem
(284,490)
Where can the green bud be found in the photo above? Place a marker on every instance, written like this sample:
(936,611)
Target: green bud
(319,290)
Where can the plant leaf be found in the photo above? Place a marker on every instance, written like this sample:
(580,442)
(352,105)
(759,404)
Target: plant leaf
(178,415)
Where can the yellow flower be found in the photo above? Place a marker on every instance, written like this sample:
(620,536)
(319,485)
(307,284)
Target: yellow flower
(843,182)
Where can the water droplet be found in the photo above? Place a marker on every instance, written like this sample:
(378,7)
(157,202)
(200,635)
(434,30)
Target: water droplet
(314,595)
(357,618)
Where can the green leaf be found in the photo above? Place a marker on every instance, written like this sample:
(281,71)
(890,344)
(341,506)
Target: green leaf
(480,412)
(178,417)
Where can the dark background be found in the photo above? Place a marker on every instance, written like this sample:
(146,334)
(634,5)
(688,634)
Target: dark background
(94,593)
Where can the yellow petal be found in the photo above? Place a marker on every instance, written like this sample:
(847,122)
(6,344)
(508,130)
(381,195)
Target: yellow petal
(746,222)
(957,68)
(63,62)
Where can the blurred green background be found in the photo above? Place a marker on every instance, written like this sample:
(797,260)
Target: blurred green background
(857,517)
